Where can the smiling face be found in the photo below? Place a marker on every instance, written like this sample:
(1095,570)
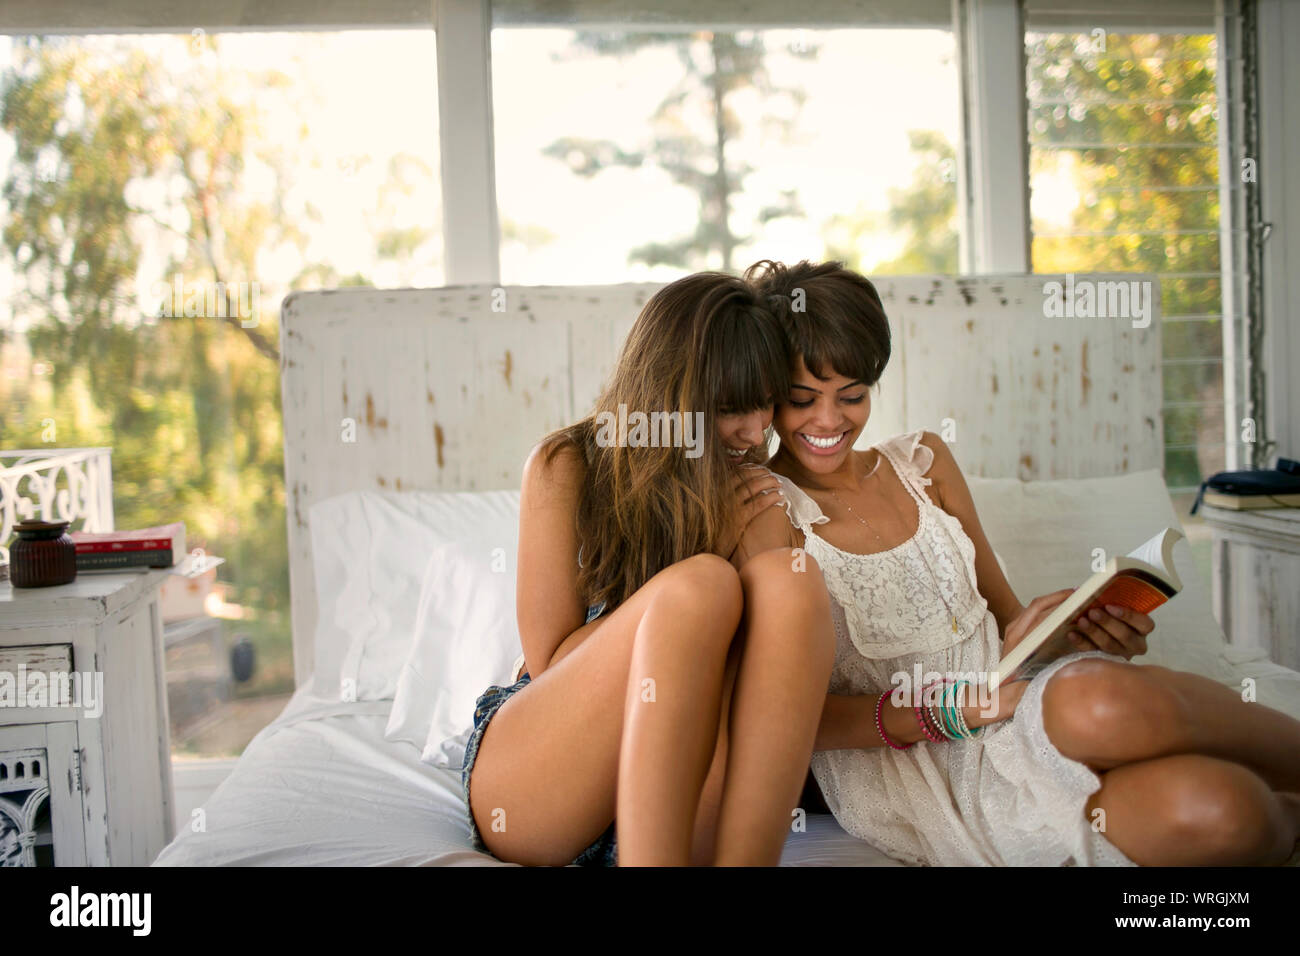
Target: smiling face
(742,432)
(835,326)
(822,419)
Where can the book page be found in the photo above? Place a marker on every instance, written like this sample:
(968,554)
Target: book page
(1153,552)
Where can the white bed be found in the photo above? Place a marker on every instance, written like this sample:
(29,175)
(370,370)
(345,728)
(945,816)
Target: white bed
(321,787)
(327,784)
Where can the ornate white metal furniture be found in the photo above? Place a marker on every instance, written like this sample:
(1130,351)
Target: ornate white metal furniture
(55,484)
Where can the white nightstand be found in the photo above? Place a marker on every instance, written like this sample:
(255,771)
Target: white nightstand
(1256,578)
(85,788)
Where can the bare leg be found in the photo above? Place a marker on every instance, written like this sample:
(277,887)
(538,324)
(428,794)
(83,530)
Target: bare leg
(1194,811)
(674,689)
(548,764)
(780,691)
(1110,713)
(704,843)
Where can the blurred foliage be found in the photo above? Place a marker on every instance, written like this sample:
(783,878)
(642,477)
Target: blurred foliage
(924,214)
(118,159)
(689,134)
(1133,127)
(135,170)
(1134,124)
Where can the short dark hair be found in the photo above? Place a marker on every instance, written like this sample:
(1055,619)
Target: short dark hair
(831,315)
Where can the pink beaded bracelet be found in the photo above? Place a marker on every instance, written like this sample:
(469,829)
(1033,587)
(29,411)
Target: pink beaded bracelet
(880,725)
(925,726)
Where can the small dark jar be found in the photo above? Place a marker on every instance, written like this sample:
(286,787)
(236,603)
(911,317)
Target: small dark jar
(43,555)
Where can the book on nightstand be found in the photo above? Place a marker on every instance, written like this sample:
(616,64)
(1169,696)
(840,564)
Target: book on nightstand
(158,547)
(1252,490)
(1217,499)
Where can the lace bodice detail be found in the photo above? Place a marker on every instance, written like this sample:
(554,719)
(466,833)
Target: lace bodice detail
(901,601)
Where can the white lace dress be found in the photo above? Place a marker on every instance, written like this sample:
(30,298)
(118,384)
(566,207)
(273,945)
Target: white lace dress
(1007,797)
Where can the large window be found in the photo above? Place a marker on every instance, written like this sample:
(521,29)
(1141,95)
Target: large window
(162,194)
(139,171)
(1124,177)
(625,156)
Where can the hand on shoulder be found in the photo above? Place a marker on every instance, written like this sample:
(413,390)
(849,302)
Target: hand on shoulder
(767,529)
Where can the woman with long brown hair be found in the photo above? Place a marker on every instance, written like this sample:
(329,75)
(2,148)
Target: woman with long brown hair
(670,685)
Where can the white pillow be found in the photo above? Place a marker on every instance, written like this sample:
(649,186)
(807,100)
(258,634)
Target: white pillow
(370,550)
(331,535)
(465,639)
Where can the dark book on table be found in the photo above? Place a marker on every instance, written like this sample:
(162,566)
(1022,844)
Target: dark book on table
(155,558)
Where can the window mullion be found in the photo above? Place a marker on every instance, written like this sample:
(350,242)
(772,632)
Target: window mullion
(1228,86)
(469,199)
(995,175)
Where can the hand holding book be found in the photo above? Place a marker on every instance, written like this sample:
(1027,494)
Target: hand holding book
(1109,611)
(1114,629)
(1024,623)
(1110,628)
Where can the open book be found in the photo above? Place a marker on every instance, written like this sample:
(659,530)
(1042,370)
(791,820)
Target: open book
(1141,580)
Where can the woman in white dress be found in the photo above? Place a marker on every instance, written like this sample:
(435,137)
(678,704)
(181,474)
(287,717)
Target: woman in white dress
(1093,761)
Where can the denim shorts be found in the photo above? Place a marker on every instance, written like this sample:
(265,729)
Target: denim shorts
(604,852)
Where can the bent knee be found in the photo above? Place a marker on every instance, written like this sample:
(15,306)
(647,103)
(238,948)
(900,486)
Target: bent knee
(785,595)
(703,582)
(1222,808)
(702,574)
(1092,705)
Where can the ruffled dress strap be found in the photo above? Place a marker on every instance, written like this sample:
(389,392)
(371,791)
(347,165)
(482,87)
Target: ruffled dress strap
(911,459)
(799,506)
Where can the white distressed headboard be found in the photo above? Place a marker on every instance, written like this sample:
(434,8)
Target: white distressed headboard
(448,389)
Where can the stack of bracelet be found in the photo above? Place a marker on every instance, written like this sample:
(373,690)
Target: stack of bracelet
(939,722)
(947,716)
(925,717)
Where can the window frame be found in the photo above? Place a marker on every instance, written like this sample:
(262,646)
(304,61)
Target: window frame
(993,189)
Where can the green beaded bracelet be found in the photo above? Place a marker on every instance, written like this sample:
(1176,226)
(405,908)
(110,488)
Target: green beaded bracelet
(950,721)
(967,733)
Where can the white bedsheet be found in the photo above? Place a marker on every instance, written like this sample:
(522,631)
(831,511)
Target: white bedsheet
(320,786)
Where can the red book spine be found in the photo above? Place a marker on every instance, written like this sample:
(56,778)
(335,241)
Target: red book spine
(144,544)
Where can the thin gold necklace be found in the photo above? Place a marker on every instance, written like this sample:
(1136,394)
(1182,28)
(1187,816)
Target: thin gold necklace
(924,560)
(850,510)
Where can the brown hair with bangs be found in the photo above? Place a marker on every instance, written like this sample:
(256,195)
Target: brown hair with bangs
(704,343)
(832,317)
